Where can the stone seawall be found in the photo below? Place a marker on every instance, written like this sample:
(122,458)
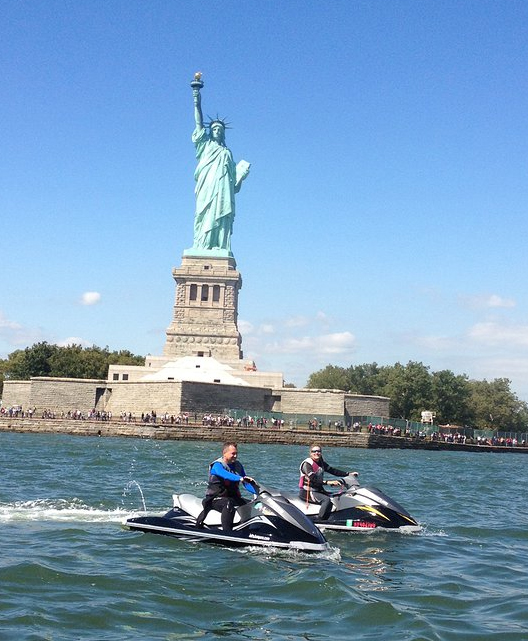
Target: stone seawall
(400,442)
(182,432)
(283,436)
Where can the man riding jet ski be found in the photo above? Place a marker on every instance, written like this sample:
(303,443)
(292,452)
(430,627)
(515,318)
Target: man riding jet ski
(352,508)
(223,486)
(268,520)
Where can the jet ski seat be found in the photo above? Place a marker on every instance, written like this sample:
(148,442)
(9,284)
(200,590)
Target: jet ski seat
(193,506)
(188,502)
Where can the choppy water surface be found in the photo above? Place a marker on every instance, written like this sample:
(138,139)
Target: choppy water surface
(69,571)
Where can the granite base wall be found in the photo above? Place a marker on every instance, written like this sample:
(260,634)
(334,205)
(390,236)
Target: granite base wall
(140,397)
(16,393)
(55,394)
(363,405)
(174,397)
(329,402)
(301,401)
(216,399)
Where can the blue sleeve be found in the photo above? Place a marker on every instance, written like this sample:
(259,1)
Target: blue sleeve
(250,488)
(219,470)
(247,486)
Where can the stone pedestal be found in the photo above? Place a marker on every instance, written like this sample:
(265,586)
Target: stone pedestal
(206,309)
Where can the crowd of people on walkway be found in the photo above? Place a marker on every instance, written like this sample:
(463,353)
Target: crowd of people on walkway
(385,430)
(241,421)
(449,437)
(17,411)
(163,419)
(226,420)
(501,441)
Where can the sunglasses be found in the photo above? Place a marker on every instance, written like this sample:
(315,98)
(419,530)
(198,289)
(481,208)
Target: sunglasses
(316,451)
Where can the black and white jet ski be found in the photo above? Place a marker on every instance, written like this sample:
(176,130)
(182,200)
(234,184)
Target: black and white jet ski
(358,508)
(268,520)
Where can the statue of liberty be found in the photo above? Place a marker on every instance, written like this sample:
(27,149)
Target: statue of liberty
(217,178)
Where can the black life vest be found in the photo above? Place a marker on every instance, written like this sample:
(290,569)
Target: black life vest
(218,486)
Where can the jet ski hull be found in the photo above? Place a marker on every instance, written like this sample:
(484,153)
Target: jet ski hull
(266,522)
(359,520)
(360,509)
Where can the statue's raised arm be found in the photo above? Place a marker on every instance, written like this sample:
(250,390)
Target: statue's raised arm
(217,180)
(197,84)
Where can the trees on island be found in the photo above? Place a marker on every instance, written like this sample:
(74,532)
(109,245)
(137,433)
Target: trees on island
(72,361)
(413,388)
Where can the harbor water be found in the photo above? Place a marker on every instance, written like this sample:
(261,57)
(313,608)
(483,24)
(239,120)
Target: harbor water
(69,571)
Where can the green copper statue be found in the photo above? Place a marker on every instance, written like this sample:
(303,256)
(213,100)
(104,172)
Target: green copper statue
(217,178)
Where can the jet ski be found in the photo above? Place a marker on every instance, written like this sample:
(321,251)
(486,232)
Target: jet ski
(359,509)
(268,520)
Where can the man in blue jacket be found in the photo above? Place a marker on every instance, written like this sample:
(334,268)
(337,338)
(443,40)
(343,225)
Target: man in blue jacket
(223,489)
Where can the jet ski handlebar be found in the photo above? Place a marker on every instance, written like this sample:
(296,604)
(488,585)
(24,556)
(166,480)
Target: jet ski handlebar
(348,482)
(258,489)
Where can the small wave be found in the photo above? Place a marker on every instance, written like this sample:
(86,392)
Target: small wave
(427,532)
(331,554)
(58,510)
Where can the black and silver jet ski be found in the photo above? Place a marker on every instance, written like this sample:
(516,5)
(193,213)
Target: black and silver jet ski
(268,520)
(357,508)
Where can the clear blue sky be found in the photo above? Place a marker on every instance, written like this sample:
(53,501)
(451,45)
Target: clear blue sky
(385,216)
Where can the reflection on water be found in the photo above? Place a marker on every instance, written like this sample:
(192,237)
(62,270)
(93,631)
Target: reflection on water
(369,570)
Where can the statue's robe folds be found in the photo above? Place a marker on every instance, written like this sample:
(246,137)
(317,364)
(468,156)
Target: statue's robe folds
(215,177)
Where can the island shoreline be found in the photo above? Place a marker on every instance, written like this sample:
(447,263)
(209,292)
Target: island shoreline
(241,434)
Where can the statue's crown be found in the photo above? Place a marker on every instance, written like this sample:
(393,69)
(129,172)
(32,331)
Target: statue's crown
(221,121)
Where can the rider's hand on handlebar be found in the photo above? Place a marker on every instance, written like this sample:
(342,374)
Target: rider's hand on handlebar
(333,483)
